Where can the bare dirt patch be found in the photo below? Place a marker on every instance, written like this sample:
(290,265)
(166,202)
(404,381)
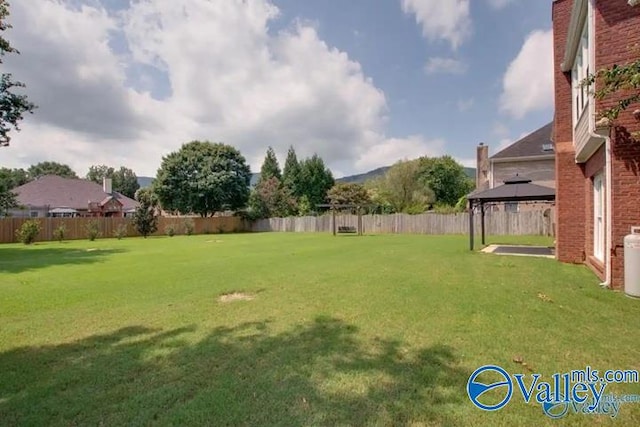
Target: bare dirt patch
(236,296)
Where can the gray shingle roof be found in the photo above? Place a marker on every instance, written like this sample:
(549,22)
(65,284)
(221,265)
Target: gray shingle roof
(514,189)
(529,146)
(58,192)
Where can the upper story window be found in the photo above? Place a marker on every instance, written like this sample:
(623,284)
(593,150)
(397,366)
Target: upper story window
(580,72)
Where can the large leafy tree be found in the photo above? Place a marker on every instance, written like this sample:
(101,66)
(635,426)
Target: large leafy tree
(124,180)
(270,167)
(271,199)
(348,194)
(401,190)
(7,197)
(13,106)
(51,168)
(291,172)
(203,178)
(315,180)
(12,178)
(445,177)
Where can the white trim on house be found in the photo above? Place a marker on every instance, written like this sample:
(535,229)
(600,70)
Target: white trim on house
(599,216)
(578,17)
(523,158)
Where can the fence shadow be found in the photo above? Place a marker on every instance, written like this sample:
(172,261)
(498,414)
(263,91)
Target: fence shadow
(16,259)
(318,373)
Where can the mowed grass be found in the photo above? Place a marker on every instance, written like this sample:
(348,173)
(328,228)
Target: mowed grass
(372,330)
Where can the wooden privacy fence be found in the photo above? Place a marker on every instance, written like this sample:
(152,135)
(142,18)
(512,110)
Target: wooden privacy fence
(497,223)
(76,227)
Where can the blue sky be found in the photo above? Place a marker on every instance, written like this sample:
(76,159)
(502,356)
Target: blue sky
(362,83)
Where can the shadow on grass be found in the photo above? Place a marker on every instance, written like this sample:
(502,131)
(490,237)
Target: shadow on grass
(318,373)
(16,259)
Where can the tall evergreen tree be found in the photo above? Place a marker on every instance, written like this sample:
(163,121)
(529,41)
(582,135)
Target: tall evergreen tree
(291,172)
(270,167)
(315,180)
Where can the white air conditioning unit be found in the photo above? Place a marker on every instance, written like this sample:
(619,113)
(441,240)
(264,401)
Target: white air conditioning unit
(634,2)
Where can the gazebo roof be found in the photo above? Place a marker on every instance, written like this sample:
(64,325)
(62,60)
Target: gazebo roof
(514,189)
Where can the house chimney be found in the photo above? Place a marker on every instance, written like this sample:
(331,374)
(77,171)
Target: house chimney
(106,185)
(482,167)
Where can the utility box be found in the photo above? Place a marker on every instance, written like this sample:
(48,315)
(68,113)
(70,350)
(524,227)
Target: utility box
(632,263)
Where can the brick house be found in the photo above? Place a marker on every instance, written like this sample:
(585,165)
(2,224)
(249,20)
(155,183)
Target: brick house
(54,196)
(597,168)
(532,157)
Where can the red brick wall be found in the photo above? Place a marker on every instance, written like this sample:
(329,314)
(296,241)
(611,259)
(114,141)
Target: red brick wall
(618,42)
(617,29)
(570,200)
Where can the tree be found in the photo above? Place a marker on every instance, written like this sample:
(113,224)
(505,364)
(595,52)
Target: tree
(291,173)
(96,173)
(621,80)
(348,194)
(400,189)
(271,199)
(12,178)
(270,167)
(446,178)
(12,105)
(145,217)
(7,198)
(315,180)
(50,168)
(203,178)
(124,180)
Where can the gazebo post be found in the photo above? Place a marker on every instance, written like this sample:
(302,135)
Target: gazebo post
(470,225)
(482,222)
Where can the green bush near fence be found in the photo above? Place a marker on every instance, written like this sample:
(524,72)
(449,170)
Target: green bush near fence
(28,232)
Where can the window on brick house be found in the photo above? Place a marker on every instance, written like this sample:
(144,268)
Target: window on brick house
(578,74)
(598,217)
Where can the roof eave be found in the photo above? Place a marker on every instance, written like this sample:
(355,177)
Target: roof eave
(578,16)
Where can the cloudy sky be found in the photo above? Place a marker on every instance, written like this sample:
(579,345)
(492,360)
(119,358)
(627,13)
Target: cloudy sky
(362,83)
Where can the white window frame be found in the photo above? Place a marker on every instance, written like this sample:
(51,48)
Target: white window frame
(579,72)
(598,216)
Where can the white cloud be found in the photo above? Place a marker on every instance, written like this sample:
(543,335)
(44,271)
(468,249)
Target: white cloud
(395,149)
(465,104)
(445,65)
(528,82)
(499,4)
(447,20)
(228,79)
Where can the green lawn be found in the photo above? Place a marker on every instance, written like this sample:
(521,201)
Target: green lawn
(373,330)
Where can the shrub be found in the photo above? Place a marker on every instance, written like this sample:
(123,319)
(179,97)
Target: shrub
(28,231)
(121,231)
(93,230)
(189,226)
(59,232)
(170,230)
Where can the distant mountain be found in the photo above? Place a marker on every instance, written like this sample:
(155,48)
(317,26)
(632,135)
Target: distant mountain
(360,178)
(145,181)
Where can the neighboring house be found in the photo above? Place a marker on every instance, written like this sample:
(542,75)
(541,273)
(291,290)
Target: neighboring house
(531,157)
(597,173)
(54,196)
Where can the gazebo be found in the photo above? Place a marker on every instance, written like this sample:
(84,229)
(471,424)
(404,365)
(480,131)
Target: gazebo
(515,189)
